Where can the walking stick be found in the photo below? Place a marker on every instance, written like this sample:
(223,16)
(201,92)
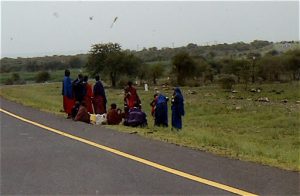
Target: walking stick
(93,105)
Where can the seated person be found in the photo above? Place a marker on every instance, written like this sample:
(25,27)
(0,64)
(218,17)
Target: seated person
(114,115)
(136,117)
(83,114)
(75,110)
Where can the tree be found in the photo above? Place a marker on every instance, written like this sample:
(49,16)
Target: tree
(121,64)
(259,44)
(75,62)
(292,60)
(183,66)
(245,72)
(143,72)
(98,55)
(231,66)
(191,46)
(253,57)
(273,53)
(42,76)
(271,67)
(156,71)
(31,66)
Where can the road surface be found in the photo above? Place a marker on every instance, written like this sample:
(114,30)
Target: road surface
(77,159)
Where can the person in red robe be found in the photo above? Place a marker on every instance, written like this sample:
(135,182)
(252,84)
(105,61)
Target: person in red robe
(99,98)
(131,98)
(83,114)
(68,100)
(114,115)
(88,95)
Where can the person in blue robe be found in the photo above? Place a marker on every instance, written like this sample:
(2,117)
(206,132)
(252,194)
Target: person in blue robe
(68,101)
(177,109)
(161,111)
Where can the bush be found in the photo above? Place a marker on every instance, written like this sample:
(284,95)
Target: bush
(227,81)
(42,76)
(8,81)
(15,77)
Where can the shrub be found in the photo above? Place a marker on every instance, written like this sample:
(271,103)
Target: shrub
(42,76)
(8,81)
(227,81)
(15,77)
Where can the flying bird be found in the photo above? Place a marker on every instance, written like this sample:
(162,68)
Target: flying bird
(116,18)
(55,14)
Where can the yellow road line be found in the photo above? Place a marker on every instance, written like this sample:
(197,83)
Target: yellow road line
(144,161)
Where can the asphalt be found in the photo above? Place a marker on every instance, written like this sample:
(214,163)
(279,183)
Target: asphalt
(35,162)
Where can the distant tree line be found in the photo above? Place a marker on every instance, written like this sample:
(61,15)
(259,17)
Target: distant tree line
(185,69)
(192,65)
(48,63)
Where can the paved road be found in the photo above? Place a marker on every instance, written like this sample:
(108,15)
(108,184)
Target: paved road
(36,161)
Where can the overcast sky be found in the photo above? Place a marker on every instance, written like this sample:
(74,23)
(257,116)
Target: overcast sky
(47,28)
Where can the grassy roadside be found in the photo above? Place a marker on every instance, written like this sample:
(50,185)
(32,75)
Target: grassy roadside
(29,77)
(232,125)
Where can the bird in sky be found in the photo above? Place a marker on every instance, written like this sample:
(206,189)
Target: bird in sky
(91,17)
(55,14)
(116,18)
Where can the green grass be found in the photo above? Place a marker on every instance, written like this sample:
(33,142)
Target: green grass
(29,77)
(267,133)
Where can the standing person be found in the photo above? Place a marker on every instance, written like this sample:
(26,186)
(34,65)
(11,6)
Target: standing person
(177,109)
(131,98)
(161,111)
(99,100)
(68,101)
(78,88)
(88,95)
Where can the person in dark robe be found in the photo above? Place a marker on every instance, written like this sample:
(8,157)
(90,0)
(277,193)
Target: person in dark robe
(161,111)
(136,117)
(68,101)
(89,94)
(83,114)
(131,98)
(75,109)
(177,109)
(153,104)
(114,115)
(99,97)
(78,88)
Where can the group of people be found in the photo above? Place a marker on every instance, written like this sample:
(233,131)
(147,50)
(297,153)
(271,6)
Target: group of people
(160,109)
(80,100)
